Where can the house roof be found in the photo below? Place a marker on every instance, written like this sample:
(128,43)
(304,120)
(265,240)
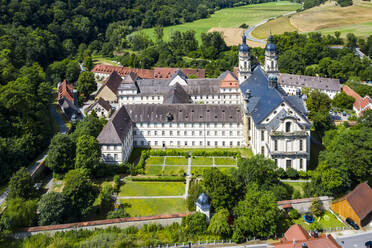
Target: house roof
(184,113)
(65,90)
(320,83)
(264,99)
(122,71)
(360,200)
(176,94)
(167,72)
(116,129)
(112,82)
(296,236)
(103,103)
(296,232)
(365,102)
(350,92)
(178,73)
(228,80)
(69,108)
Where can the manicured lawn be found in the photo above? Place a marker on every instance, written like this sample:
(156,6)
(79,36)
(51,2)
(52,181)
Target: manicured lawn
(155,161)
(328,220)
(198,171)
(246,153)
(150,207)
(202,161)
(176,161)
(154,170)
(224,161)
(152,188)
(299,186)
(231,18)
(175,170)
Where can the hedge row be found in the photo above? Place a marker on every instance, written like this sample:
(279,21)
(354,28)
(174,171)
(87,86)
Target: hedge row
(160,179)
(216,153)
(170,152)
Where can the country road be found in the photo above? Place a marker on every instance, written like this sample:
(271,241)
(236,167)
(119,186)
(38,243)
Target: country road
(31,170)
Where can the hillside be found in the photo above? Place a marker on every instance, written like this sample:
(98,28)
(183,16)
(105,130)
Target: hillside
(326,18)
(229,20)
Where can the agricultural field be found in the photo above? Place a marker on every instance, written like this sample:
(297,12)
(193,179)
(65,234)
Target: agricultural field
(150,207)
(326,18)
(152,189)
(228,21)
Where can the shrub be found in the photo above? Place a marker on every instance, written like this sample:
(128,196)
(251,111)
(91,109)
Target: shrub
(293,214)
(316,226)
(195,190)
(303,174)
(316,208)
(117,183)
(296,195)
(281,173)
(194,224)
(292,173)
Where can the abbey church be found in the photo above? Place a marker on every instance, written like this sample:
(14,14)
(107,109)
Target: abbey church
(250,109)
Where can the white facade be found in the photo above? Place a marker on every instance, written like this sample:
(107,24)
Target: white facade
(118,153)
(100,111)
(181,135)
(291,90)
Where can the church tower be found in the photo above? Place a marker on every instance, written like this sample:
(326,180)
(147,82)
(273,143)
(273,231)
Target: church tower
(271,57)
(244,70)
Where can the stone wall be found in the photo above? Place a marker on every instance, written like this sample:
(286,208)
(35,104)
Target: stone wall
(138,222)
(304,205)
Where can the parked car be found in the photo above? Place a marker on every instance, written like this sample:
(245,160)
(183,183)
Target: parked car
(368,244)
(352,223)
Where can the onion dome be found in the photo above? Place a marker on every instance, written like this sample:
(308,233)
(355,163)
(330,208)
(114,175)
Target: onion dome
(270,46)
(273,77)
(244,47)
(203,202)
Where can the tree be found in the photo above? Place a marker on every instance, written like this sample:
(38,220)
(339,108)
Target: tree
(220,188)
(86,83)
(104,199)
(316,208)
(293,214)
(88,63)
(61,154)
(80,193)
(52,209)
(317,102)
(366,118)
(72,71)
(19,213)
(194,191)
(90,125)
(117,183)
(292,173)
(258,214)
(194,224)
(119,213)
(351,41)
(88,153)
(159,32)
(219,225)
(21,185)
(343,101)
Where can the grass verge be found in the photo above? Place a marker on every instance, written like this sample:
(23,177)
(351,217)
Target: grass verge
(175,170)
(299,186)
(152,189)
(154,170)
(155,161)
(202,161)
(150,207)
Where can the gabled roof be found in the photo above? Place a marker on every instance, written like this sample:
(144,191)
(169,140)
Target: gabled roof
(167,72)
(364,103)
(228,80)
(264,99)
(296,232)
(320,83)
(176,94)
(116,129)
(112,82)
(130,78)
(357,98)
(103,103)
(178,73)
(360,200)
(122,71)
(65,90)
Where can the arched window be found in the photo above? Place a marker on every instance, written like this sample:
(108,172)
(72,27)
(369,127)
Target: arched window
(272,64)
(287,127)
(245,64)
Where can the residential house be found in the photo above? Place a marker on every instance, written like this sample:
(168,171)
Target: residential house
(360,104)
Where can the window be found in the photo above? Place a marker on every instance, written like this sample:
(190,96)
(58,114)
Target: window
(201,143)
(231,143)
(163,133)
(141,143)
(301,145)
(193,143)
(185,143)
(301,165)
(170,133)
(178,143)
(208,143)
(156,143)
(192,133)
(288,164)
(135,132)
(178,132)
(262,135)
(207,132)
(115,157)
(287,127)
(238,143)
(262,150)
(216,143)
(276,162)
(223,143)
(275,145)
(223,133)
(155,133)
(200,133)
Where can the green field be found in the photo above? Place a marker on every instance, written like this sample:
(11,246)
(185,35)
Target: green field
(231,18)
(152,189)
(202,161)
(155,161)
(175,170)
(176,161)
(154,170)
(361,30)
(150,207)
(224,161)
(299,186)
(328,220)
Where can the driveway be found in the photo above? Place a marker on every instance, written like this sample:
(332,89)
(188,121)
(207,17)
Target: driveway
(355,240)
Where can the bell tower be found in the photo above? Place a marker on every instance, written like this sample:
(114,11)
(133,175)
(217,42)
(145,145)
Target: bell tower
(245,69)
(271,57)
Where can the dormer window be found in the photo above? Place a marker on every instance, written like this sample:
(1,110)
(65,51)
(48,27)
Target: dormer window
(288,127)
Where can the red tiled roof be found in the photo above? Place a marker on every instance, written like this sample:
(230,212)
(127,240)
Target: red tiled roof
(167,72)
(296,232)
(123,71)
(229,81)
(364,103)
(350,92)
(65,90)
(360,200)
(112,82)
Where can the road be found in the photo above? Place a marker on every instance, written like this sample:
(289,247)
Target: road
(31,170)
(355,241)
